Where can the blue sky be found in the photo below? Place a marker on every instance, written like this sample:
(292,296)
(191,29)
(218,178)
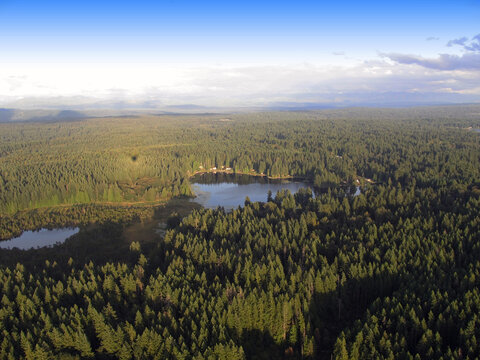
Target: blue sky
(227,53)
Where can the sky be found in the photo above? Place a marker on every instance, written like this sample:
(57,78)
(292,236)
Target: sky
(238,53)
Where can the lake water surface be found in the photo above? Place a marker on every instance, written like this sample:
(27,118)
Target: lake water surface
(41,238)
(230,191)
(211,190)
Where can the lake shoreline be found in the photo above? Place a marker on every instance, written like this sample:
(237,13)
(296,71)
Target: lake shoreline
(34,239)
(255,174)
(124,217)
(13,228)
(229,190)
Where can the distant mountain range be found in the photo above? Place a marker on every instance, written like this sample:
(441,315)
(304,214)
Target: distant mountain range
(74,107)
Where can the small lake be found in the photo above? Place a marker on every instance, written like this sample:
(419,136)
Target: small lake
(230,191)
(41,238)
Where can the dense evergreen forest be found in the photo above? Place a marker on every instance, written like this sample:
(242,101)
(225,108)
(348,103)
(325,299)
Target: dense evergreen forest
(393,273)
(148,159)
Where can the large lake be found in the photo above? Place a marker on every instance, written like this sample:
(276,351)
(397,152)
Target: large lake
(41,238)
(230,191)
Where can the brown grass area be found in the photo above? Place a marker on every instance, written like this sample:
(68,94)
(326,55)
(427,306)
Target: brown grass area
(145,231)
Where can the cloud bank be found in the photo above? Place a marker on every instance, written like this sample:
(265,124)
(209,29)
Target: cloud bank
(388,79)
(470,60)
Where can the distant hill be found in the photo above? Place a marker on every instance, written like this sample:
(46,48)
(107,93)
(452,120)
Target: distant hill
(12,115)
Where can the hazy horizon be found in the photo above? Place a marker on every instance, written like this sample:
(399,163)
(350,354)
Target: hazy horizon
(213,54)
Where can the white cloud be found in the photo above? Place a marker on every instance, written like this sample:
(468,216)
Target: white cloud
(164,84)
(468,61)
